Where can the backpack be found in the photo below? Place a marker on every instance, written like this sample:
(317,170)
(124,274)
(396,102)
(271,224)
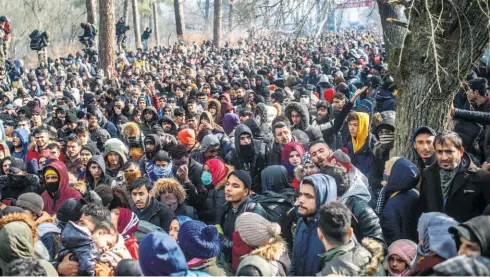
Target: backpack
(275,207)
(144,228)
(94,29)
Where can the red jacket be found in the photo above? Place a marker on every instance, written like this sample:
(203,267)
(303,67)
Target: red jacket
(239,249)
(425,265)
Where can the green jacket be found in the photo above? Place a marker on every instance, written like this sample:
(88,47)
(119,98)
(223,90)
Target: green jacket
(352,259)
(211,267)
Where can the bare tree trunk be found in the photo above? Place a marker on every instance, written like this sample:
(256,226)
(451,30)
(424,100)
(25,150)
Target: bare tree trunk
(107,38)
(436,55)
(136,23)
(126,10)
(155,23)
(206,11)
(230,18)
(393,34)
(218,18)
(90,11)
(179,18)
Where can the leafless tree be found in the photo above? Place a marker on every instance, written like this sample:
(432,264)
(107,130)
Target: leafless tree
(179,18)
(136,23)
(218,18)
(90,11)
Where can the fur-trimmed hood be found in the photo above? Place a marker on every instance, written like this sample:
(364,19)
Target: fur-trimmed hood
(169,185)
(22,218)
(297,107)
(130,129)
(218,106)
(271,252)
(262,111)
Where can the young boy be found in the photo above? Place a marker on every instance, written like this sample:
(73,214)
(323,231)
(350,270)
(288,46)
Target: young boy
(87,246)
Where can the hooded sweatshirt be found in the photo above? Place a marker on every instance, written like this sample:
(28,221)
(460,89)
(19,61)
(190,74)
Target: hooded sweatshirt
(24,136)
(17,238)
(53,202)
(160,255)
(118,147)
(307,245)
(478,226)
(362,131)
(104,179)
(275,178)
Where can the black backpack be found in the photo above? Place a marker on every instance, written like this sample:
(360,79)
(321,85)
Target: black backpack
(275,207)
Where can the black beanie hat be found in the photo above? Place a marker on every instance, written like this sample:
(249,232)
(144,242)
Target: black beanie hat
(128,267)
(244,176)
(92,148)
(279,96)
(253,124)
(71,210)
(161,156)
(71,117)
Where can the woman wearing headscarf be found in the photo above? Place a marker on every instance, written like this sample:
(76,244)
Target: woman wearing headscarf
(127,223)
(436,244)
(291,158)
(275,178)
(214,177)
(307,168)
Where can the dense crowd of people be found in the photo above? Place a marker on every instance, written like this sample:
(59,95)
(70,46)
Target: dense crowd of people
(271,158)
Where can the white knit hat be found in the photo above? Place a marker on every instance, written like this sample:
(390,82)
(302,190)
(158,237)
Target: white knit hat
(257,231)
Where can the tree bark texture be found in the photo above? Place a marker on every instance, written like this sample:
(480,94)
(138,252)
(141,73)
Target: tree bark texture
(179,18)
(207,5)
(90,11)
(393,35)
(230,18)
(156,31)
(426,85)
(217,26)
(136,23)
(107,38)
(126,11)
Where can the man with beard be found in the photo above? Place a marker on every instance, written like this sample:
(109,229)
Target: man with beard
(18,181)
(72,154)
(246,155)
(315,191)
(168,125)
(20,141)
(41,136)
(86,154)
(339,101)
(148,208)
(209,149)
(149,121)
(330,127)
(313,78)
(282,136)
(97,134)
(188,173)
(153,144)
(57,189)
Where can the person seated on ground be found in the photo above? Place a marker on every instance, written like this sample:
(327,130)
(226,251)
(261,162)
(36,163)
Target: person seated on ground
(175,226)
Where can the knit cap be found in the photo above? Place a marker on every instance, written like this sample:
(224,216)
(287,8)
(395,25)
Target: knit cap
(198,240)
(50,172)
(31,201)
(244,176)
(406,249)
(257,231)
(340,157)
(187,136)
(71,210)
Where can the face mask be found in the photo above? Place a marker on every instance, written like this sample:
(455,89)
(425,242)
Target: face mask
(247,151)
(206,178)
(386,139)
(52,187)
(304,101)
(163,171)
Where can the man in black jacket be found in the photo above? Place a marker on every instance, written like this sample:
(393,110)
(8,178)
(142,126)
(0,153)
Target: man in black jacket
(18,181)
(148,208)
(247,155)
(282,136)
(188,173)
(454,185)
(145,37)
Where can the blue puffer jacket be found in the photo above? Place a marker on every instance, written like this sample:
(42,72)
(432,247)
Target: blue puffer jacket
(363,158)
(79,242)
(307,246)
(398,220)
